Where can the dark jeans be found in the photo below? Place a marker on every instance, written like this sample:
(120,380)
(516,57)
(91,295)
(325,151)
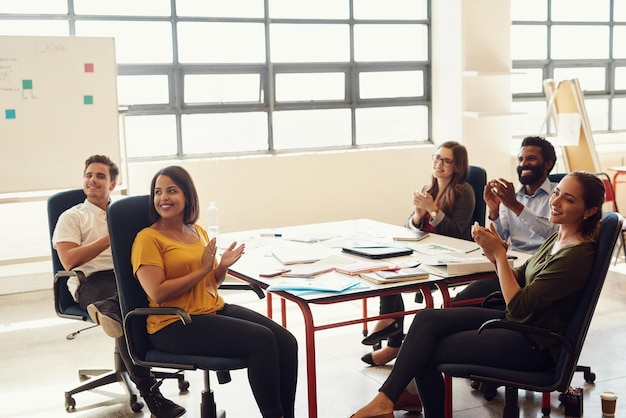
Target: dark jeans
(235,331)
(100,288)
(439,336)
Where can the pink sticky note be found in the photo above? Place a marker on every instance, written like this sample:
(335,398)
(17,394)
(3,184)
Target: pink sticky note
(89,67)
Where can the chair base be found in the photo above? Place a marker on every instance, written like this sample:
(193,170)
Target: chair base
(95,378)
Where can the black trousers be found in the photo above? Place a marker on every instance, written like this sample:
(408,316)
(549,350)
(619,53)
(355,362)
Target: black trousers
(235,331)
(439,336)
(99,287)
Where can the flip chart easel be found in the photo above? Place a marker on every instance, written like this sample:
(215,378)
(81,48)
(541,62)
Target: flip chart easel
(567,97)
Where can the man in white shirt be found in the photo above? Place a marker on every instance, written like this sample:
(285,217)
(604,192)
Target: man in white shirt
(520,215)
(81,238)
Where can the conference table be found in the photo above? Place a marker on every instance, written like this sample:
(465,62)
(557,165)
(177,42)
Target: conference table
(327,240)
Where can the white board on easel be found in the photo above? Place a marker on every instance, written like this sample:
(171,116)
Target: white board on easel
(566,98)
(58,105)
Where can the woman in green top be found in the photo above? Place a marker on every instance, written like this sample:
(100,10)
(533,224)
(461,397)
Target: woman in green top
(543,292)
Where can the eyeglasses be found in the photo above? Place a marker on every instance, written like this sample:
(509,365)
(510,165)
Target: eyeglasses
(445,161)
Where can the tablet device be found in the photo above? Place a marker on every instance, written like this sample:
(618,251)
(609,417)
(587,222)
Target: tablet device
(378,252)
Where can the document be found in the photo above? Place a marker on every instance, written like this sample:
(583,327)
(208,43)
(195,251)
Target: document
(327,283)
(401,275)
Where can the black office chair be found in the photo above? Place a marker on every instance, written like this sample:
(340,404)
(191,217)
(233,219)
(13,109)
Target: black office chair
(126,218)
(572,340)
(477,178)
(66,307)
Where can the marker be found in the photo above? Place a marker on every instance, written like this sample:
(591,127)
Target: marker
(271,234)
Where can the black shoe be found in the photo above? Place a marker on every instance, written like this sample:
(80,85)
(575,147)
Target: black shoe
(384,333)
(109,321)
(161,407)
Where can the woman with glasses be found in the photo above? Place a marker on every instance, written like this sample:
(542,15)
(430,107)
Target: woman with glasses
(445,207)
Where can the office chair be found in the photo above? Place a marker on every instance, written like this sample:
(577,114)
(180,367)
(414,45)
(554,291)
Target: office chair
(611,200)
(66,307)
(126,218)
(477,178)
(572,340)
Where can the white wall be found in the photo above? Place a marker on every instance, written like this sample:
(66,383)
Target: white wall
(283,190)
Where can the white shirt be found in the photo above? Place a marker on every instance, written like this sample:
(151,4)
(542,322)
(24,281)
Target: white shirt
(531,228)
(84,224)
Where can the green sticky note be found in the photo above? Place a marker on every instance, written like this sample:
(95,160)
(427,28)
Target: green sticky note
(27,84)
(87,99)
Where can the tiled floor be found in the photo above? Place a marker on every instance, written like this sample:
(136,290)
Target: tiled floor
(38,364)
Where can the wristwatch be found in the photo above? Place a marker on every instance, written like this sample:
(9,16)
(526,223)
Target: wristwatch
(434,213)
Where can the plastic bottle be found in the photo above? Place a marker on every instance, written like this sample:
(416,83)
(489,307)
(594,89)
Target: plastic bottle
(213,216)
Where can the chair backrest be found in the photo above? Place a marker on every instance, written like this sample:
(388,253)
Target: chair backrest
(65,305)
(578,326)
(126,217)
(477,178)
(556,177)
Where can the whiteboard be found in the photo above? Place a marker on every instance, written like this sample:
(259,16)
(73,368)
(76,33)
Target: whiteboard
(58,106)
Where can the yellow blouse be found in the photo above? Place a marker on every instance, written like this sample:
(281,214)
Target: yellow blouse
(153,248)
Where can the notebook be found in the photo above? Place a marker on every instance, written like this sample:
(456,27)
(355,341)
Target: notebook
(378,252)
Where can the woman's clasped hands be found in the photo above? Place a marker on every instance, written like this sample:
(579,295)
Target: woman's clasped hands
(489,241)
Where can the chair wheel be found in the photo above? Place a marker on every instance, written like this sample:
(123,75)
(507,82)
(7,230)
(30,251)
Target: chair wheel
(136,406)
(70,403)
(590,377)
(545,412)
(183,385)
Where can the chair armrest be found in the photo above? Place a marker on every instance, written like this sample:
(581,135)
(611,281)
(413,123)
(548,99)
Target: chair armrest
(182,315)
(526,329)
(492,298)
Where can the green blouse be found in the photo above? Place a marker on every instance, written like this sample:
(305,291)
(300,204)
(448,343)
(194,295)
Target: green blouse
(551,287)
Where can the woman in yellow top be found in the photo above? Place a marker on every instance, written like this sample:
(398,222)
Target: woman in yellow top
(175,262)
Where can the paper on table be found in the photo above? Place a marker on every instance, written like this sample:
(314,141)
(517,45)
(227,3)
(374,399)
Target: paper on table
(435,249)
(322,266)
(329,283)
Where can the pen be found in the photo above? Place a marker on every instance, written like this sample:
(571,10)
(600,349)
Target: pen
(271,234)
(472,250)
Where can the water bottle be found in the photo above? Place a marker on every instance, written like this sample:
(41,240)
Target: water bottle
(213,214)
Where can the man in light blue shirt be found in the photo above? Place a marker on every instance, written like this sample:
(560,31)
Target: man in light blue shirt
(520,215)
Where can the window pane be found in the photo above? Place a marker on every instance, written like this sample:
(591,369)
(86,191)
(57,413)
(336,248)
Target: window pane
(531,81)
(387,84)
(580,10)
(597,113)
(123,7)
(575,42)
(391,9)
(142,89)
(309,43)
(148,136)
(223,88)
(529,10)
(33,6)
(528,123)
(135,42)
(318,9)
(312,128)
(224,132)
(620,78)
(230,8)
(529,42)
(589,78)
(619,46)
(221,42)
(389,42)
(619,113)
(34,28)
(619,11)
(310,86)
(391,124)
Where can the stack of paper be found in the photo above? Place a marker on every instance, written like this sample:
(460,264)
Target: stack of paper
(401,275)
(459,266)
(359,267)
